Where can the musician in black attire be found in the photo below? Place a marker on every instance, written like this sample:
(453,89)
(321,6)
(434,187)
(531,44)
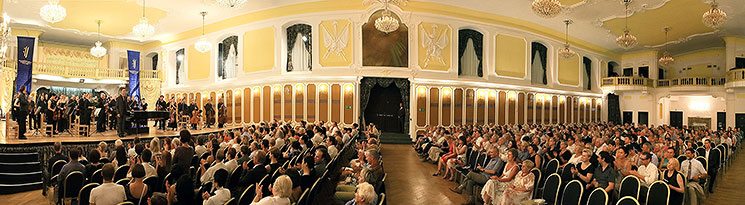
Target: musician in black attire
(112,112)
(22,112)
(143,104)
(31,119)
(192,107)
(84,109)
(182,108)
(121,110)
(51,108)
(72,105)
(41,107)
(161,105)
(61,112)
(101,118)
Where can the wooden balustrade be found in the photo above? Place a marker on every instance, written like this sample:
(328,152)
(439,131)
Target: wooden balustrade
(736,75)
(85,72)
(662,83)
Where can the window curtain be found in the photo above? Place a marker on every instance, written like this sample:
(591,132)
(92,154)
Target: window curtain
(179,70)
(466,38)
(223,53)
(155,62)
(539,54)
(366,85)
(587,74)
(292,33)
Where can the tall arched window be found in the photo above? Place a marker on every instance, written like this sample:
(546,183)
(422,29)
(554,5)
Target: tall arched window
(612,69)
(470,52)
(227,58)
(587,74)
(179,66)
(299,48)
(538,63)
(155,61)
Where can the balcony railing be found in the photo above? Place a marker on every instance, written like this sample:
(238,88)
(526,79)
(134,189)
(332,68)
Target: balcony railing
(691,81)
(628,81)
(736,75)
(644,83)
(69,71)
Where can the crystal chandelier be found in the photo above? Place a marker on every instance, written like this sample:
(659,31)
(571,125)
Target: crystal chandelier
(4,35)
(98,51)
(715,17)
(565,52)
(202,45)
(53,12)
(233,4)
(626,41)
(666,59)
(386,23)
(143,29)
(546,8)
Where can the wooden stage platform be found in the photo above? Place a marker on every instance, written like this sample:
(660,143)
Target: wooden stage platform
(109,135)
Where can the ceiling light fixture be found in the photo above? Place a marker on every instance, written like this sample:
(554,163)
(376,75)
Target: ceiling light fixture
(53,12)
(98,51)
(565,52)
(143,29)
(714,17)
(546,8)
(232,4)
(626,40)
(386,23)
(4,35)
(666,59)
(202,45)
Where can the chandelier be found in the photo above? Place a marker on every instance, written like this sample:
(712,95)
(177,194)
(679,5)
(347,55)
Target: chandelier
(546,8)
(4,35)
(53,12)
(98,51)
(626,41)
(666,59)
(715,17)
(202,45)
(143,29)
(386,23)
(233,4)
(565,52)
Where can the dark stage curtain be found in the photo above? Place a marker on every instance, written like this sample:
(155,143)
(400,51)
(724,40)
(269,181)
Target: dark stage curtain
(367,83)
(614,109)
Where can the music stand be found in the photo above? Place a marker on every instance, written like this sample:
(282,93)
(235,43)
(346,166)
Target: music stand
(96,113)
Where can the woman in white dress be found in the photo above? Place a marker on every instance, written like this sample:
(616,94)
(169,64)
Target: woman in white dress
(521,188)
(496,185)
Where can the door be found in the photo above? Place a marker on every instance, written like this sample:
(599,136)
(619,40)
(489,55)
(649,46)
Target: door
(661,73)
(721,120)
(676,119)
(643,118)
(628,72)
(644,72)
(627,117)
(740,121)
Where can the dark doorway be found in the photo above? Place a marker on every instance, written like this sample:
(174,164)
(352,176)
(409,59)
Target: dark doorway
(739,62)
(676,119)
(644,72)
(382,108)
(643,118)
(628,117)
(721,120)
(740,121)
(660,73)
(628,72)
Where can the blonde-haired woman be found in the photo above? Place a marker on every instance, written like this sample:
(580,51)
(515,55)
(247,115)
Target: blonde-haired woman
(365,195)
(281,191)
(522,186)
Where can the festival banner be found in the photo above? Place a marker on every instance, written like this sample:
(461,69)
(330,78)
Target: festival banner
(25,61)
(133,59)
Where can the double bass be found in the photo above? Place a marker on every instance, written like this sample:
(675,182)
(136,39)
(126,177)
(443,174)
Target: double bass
(194,117)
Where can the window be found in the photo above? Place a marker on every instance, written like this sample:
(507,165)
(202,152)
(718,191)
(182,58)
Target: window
(587,74)
(179,66)
(227,58)
(299,48)
(470,52)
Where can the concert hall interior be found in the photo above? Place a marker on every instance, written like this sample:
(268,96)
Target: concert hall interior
(586,102)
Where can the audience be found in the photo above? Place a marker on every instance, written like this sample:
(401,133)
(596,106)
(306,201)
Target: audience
(222,194)
(281,192)
(108,192)
(521,188)
(136,190)
(365,195)
(71,166)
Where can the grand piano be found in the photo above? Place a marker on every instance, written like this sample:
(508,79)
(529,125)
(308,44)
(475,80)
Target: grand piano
(136,121)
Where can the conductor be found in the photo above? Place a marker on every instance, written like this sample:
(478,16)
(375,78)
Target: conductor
(121,110)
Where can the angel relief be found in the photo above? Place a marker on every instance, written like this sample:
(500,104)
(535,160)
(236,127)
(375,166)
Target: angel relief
(433,43)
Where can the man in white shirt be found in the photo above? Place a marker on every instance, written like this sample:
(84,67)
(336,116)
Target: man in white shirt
(200,148)
(108,192)
(146,158)
(222,194)
(208,174)
(232,163)
(647,172)
(693,171)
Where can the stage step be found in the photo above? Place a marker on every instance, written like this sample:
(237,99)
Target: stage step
(394,138)
(20,172)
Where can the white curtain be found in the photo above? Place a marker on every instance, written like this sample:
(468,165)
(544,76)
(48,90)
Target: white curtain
(300,55)
(469,62)
(537,70)
(230,63)
(585,77)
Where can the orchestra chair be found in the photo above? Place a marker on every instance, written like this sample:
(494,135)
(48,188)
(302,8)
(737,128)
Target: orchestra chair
(74,124)
(48,129)
(184,122)
(84,129)
(10,128)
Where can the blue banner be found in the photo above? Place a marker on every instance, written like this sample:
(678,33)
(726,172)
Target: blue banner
(133,60)
(25,61)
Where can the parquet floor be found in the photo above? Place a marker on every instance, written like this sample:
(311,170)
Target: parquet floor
(729,186)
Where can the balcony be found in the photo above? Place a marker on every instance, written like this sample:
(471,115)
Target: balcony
(627,83)
(735,78)
(68,71)
(677,84)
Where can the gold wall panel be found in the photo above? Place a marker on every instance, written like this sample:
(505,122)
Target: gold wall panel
(434,106)
(311,109)
(480,108)
(229,104)
(502,108)
(539,112)
(434,37)
(336,102)
(470,95)
(446,106)
(339,31)
(323,103)
(258,50)
(568,72)
(277,102)
(238,105)
(491,109)
(458,106)
(348,104)
(511,59)
(198,64)
(521,108)
(421,110)
(531,108)
(554,109)
(287,102)
(299,103)
(247,95)
(511,111)
(562,111)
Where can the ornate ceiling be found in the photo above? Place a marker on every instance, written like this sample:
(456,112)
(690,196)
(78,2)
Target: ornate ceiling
(595,21)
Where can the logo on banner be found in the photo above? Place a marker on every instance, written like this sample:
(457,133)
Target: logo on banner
(25,51)
(25,55)
(134,63)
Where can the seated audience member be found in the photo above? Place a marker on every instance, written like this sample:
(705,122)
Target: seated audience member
(183,154)
(207,174)
(647,172)
(460,157)
(232,162)
(481,175)
(120,156)
(146,158)
(157,199)
(346,192)
(93,163)
(494,188)
(137,190)
(521,188)
(695,172)
(274,156)
(71,166)
(255,173)
(322,159)
(281,192)
(605,174)
(674,180)
(103,149)
(222,194)
(365,195)
(108,192)
(307,173)
(182,192)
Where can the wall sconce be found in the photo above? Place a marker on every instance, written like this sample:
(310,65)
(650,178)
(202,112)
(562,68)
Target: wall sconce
(299,88)
(324,87)
(600,101)
(492,93)
(511,95)
(539,97)
(277,88)
(446,91)
(482,93)
(349,88)
(237,91)
(562,98)
(422,91)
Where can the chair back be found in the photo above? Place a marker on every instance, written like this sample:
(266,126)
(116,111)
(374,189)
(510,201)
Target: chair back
(566,173)
(230,201)
(472,158)
(572,193)
(303,197)
(247,196)
(121,172)
(57,166)
(85,193)
(152,184)
(73,183)
(482,159)
(126,203)
(163,181)
(703,162)
(658,193)
(714,158)
(123,182)
(381,199)
(682,158)
(630,186)
(551,189)
(83,162)
(552,166)
(537,177)
(104,160)
(97,177)
(234,178)
(598,197)
(700,151)
(627,200)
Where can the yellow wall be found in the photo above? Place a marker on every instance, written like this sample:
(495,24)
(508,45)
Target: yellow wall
(330,31)
(638,55)
(569,70)
(199,64)
(258,50)
(706,53)
(438,32)
(511,56)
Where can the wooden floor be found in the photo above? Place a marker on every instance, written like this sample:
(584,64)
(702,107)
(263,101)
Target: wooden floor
(108,135)
(729,186)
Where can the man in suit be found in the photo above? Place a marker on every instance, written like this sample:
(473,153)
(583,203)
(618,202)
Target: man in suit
(258,171)
(84,109)
(121,112)
(401,116)
(101,118)
(161,105)
(22,106)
